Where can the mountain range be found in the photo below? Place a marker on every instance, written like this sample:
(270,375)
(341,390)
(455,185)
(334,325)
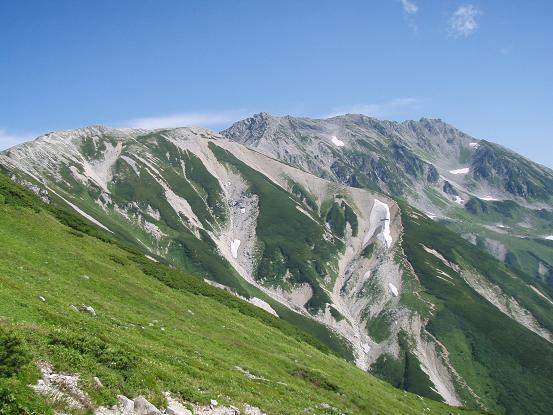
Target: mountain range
(418,253)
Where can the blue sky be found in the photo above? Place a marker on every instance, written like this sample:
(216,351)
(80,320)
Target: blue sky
(484,66)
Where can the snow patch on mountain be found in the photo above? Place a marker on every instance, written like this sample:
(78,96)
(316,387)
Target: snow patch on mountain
(464,170)
(337,142)
(234,245)
(380,219)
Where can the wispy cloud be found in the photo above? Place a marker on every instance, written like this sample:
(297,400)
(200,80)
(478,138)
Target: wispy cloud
(463,22)
(9,140)
(410,10)
(409,7)
(186,119)
(385,109)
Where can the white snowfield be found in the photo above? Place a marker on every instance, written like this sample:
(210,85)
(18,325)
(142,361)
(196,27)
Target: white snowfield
(464,170)
(393,289)
(474,145)
(234,245)
(550,237)
(380,215)
(489,199)
(337,142)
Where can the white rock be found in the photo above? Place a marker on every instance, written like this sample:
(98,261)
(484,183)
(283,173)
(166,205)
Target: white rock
(42,298)
(151,258)
(88,309)
(98,382)
(143,407)
(125,403)
(252,410)
(213,402)
(258,302)
(174,407)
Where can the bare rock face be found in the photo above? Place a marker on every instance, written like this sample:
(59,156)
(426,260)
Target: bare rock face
(143,407)
(252,410)
(174,407)
(61,387)
(125,407)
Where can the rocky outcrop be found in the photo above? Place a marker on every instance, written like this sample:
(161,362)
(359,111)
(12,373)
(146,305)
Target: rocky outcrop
(64,390)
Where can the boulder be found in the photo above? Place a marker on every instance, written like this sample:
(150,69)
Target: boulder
(143,407)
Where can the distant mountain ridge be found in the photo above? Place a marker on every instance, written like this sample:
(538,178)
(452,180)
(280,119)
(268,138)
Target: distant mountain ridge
(434,166)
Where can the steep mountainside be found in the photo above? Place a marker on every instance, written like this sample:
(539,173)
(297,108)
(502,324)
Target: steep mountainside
(381,285)
(105,324)
(268,231)
(449,175)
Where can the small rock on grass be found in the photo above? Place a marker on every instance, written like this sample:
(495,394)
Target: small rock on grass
(143,407)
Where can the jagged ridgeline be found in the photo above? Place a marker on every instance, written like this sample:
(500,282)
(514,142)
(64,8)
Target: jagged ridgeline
(107,325)
(447,174)
(377,283)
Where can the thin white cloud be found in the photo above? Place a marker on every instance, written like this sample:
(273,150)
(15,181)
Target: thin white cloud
(186,119)
(385,109)
(463,22)
(410,10)
(409,7)
(9,140)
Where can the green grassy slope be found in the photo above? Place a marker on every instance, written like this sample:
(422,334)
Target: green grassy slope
(206,332)
(508,366)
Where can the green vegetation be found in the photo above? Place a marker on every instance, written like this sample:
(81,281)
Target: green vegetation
(379,327)
(155,329)
(338,215)
(302,194)
(336,219)
(197,173)
(368,251)
(508,366)
(351,218)
(519,229)
(404,372)
(336,314)
(13,356)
